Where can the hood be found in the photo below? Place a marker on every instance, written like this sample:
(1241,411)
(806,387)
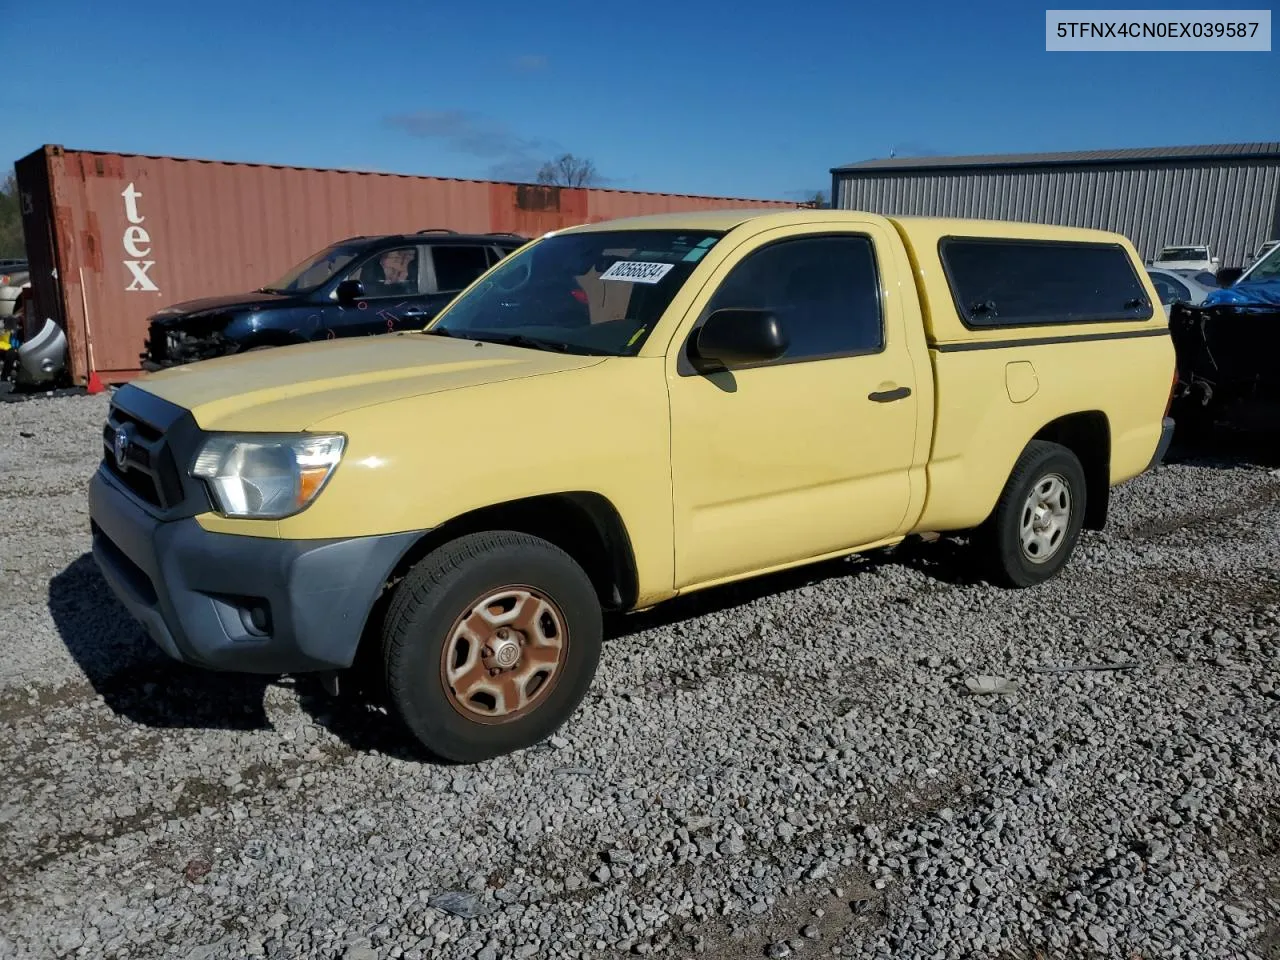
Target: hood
(290,388)
(1260,293)
(177,312)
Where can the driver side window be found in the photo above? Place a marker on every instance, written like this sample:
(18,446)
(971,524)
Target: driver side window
(825,292)
(391,273)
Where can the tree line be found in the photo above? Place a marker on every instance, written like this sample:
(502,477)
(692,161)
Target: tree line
(11,242)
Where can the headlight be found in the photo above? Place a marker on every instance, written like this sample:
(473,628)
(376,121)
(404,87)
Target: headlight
(267,476)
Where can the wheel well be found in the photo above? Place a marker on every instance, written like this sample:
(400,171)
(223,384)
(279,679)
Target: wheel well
(1088,436)
(584,525)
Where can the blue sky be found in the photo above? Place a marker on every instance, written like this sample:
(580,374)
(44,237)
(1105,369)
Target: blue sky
(733,99)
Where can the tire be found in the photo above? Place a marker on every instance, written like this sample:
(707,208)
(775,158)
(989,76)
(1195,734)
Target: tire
(1000,541)
(436,608)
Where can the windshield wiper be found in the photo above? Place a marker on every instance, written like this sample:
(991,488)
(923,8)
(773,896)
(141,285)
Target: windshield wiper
(535,343)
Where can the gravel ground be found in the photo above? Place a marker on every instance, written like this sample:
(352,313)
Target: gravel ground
(790,768)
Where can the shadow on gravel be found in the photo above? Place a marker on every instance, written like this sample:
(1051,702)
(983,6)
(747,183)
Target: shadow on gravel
(720,599)
(360,719)
(138,682)
(133,677)
(1226,449)
(942,560)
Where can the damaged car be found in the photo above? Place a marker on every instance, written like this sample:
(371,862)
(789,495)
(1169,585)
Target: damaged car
(1226,372)
(1226,347)
(355,287)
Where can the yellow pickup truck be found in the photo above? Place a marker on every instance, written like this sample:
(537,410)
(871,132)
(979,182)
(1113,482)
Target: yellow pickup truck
(617,414)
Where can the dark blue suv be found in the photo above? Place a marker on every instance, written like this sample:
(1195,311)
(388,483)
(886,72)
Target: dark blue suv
(358,286)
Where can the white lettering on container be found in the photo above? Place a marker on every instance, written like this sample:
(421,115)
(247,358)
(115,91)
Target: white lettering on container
(134,236)
(137,243)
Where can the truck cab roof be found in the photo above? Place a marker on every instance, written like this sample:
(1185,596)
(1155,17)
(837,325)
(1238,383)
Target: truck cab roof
(916,226)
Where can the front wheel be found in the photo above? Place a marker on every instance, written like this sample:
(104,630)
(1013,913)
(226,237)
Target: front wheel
(1037,521)
(490,644)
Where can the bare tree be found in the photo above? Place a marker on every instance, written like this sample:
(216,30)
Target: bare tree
(11,244)
(813,199)
(567,170)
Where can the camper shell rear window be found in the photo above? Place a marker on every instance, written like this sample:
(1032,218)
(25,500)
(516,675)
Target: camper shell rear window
(998,282)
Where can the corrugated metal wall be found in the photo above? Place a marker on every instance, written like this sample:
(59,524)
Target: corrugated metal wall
(1233,206)
(130,234)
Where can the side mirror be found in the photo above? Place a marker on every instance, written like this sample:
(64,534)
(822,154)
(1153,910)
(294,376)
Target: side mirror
(1228,275)
(349,291)
(732,337)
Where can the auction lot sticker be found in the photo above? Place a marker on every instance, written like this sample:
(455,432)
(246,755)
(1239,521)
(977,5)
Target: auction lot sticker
(637,271)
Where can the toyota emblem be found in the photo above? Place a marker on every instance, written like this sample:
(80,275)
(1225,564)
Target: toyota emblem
(122,439)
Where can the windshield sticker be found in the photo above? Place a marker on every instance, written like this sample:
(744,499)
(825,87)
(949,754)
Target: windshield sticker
(694,255)
(636,271)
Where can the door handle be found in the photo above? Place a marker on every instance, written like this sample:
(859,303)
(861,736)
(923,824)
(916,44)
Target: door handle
(888,396)
(413,314)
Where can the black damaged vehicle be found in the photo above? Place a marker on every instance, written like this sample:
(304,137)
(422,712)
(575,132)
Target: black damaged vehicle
(358,286)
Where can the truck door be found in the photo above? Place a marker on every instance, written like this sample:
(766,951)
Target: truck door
(809,454)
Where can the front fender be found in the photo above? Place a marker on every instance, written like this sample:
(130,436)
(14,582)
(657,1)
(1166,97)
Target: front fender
(276,328)
(416,463)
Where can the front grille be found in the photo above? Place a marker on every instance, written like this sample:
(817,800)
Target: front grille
(149,469)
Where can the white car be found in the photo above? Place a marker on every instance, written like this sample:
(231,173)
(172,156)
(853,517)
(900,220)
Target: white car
(13,286)
(1266,267)
(1191,256)
(1265,252)
(1178,287)
(1266,248)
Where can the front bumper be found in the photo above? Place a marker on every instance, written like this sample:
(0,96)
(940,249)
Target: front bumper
(234,603)
(169,346)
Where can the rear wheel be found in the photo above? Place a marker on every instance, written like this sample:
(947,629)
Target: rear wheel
(490,644)
(1036,524)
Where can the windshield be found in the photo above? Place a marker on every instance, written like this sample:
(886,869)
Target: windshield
(1268,268)
(595,293)
(1183,253)
(315,270)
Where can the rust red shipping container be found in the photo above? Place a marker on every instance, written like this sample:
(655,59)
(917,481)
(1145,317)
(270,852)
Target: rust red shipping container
(114,237)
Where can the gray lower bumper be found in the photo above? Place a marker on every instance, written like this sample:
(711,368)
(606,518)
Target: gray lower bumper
(202,596)
(1162,448)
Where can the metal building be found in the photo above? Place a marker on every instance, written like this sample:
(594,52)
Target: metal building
(1226,195)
